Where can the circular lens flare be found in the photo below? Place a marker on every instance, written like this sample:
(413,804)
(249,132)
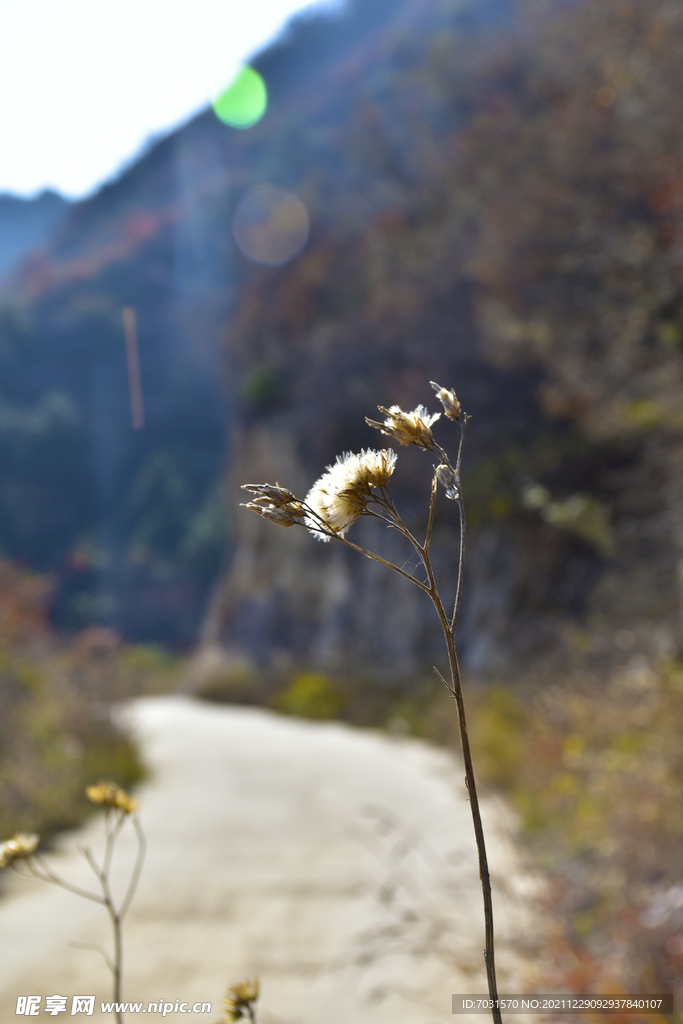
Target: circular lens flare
(244,102)
(270,225)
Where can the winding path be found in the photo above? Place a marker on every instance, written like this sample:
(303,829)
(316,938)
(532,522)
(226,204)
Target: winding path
(336,864)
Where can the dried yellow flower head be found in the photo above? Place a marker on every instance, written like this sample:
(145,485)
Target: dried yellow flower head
(19,847)
(240,1002)
(340,495)
(111,796)
(275,503)
(407,427)
(449,401)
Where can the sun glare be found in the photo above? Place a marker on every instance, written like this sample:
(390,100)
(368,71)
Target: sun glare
(244,102)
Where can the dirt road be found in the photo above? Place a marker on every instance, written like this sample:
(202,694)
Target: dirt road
(337,865)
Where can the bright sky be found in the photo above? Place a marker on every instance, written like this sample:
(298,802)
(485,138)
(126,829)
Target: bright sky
(85,83)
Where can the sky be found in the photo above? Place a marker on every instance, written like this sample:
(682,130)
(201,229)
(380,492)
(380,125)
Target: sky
(85,84)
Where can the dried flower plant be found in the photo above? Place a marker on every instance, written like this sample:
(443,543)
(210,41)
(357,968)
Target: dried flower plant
(240,1002)
(119,807)
(357,485)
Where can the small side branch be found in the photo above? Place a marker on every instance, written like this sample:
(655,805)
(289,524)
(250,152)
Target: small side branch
(39,869)
(98,949)
(135,877)
(445,683)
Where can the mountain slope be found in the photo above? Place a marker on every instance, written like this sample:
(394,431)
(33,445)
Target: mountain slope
(495,208)
(26,223)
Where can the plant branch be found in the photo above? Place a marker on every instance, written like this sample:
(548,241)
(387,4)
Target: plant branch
(383,561)
(430,521)
(456,689)
(46,875)
(461,564)
(135,877)
(112,836)
(98,949)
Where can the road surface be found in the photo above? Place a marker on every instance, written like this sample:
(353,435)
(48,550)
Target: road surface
(338,865)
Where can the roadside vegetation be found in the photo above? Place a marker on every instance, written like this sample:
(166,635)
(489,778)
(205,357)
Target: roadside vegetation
(56,694)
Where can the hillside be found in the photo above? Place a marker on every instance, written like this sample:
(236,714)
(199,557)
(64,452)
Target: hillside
(493,203)
(516,237)
(132,522)
(26,223)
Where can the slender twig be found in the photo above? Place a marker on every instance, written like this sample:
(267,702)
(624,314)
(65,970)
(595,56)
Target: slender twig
(98,949)
(430,521)
(464,420)
(455,688)
(369,554)
(463,529)
(382,561)
(448,628)
(112,836)
(135,877)
(46,875)
(446,684)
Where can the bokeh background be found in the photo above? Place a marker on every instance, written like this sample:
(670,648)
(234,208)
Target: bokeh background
(484,193)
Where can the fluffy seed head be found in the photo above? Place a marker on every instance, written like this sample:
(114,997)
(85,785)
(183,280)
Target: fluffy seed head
(240,1001)
(340,495)
(407,427)
(19,847)
(449,401)
(111,796)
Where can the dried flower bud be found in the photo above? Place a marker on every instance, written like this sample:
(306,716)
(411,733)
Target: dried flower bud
(288,515)
(407,427)
(240,1002)
(272,494)
(19,847)
(449,400)
(111,796)
(448,480)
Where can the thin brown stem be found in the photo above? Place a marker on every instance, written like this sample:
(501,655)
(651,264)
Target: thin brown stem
(456,689)
(112,835)
(114,914)
(463,427)
(376,558)
(484,875)
(461,565)
(135,877)
(430,521)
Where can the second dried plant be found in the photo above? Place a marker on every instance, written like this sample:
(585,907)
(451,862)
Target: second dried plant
(20,853)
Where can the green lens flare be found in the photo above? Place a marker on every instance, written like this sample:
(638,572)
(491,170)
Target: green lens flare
(244,102)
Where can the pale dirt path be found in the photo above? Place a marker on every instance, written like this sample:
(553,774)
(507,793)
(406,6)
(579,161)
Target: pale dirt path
(262,862)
